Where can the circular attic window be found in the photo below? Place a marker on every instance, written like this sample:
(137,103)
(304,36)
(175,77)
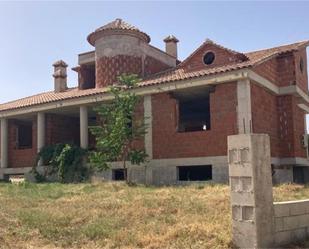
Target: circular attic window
(209,58)
(301,65)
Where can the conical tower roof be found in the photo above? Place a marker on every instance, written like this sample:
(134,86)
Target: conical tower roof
(117,26)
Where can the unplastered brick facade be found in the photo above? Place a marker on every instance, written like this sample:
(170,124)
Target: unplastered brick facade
(190,106)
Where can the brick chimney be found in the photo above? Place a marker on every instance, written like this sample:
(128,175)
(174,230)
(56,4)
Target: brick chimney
(171,45)
(60,76)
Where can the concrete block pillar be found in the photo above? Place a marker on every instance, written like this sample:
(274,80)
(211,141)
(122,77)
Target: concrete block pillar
(148,137)
(251,190)
(83,127)
(244,114)
(41,133)
(4,143)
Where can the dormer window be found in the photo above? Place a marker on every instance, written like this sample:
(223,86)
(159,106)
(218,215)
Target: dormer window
(209,58)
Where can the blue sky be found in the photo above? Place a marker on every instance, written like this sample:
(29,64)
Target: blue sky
(35,34)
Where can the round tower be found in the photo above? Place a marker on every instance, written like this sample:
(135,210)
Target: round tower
(118,50)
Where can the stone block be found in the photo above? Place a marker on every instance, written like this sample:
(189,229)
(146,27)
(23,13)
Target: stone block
(279,225)
(240,170)
(304,220)
(299,207)
(291,222)
(242,198)
(236,212)
(241,228)
(299,234)
(247,213)
(281,210)
(282,238)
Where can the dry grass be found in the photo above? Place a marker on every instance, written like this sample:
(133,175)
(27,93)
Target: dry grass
(113,215)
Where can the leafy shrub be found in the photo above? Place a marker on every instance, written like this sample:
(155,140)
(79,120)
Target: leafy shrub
(65,160)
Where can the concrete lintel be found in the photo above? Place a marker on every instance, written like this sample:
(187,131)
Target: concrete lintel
(263,82)
(172,162)
(304,108)
(13,171)
(86,58)
(285,90)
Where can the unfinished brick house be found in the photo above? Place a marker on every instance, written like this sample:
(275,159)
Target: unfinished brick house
(192,106)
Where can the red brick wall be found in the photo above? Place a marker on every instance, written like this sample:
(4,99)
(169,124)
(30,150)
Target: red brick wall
(285,116)
(268,70)
(168,143)
(86,77)
(281,118)
(21,157)
(153,66)
(301,77)
(107,69)
(222,57)
(298,128)
(284,70)
(265,116)
(59,129)
(62,129)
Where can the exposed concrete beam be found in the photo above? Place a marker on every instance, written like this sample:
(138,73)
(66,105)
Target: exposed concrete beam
(263,82)
(285,90)
(304,108)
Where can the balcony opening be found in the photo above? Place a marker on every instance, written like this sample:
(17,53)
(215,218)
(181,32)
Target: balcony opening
(118,174)
(87,77)
(195,173)
(24,135)
(193,110)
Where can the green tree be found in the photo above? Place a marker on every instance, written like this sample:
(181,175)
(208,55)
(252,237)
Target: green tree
(117,128)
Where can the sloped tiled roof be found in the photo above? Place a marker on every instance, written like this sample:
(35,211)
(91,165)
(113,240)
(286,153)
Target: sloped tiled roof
(176,74)
(210,42)
(117,24)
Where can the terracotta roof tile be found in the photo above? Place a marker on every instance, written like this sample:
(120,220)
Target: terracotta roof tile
(117,24)
(49,97)
(176,74)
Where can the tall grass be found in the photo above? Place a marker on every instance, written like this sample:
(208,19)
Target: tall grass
(113,215)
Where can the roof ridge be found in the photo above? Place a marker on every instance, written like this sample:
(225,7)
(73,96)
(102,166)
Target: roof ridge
(223,47)
(281,46)
(209,41)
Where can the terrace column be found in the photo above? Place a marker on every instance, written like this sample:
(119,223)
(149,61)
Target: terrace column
(148,137)
(41,134)
(83,114)
(4,143)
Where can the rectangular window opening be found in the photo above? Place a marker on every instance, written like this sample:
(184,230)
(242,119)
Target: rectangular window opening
(87,77)
(195,173)
(118,174)
(24,135)
(194,114)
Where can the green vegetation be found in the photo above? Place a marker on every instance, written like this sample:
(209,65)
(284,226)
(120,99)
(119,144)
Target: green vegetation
(118,127)
(114,215)
(65,162)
